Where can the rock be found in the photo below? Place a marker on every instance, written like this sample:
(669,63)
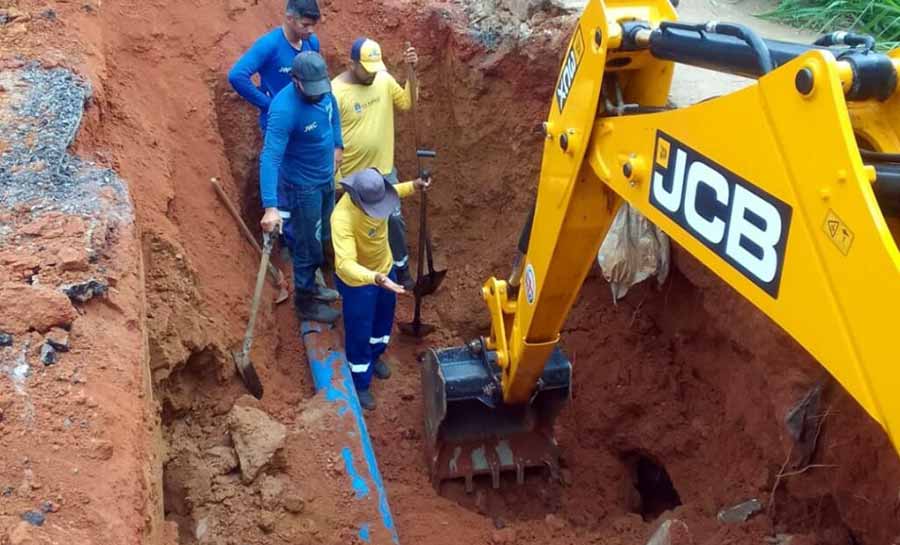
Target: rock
(780,539)
(21,534)
(256,437)
(202,529)
(5,339)
(671,532)
(741,512)
(13,14)
(294,503)
(555,522)
(49,356)
(506,536)
(247,401)
(102,449)
(35,518)
(27,307)
(222,460)
(48,506)
(266,521)
(85,291)
(73,259)
(58,338)
(270,491)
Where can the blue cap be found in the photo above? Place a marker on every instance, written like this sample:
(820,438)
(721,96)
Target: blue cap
(368,53)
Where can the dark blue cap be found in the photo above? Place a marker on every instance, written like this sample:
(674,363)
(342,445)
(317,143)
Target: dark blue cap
(310,68)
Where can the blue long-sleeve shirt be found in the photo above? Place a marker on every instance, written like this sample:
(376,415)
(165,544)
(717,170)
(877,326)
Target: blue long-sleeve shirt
(300,141)
(271,57)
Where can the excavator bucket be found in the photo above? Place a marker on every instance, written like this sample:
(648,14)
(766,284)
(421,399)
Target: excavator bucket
(469,431)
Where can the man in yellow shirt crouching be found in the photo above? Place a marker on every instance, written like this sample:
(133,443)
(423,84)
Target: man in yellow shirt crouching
(366,275)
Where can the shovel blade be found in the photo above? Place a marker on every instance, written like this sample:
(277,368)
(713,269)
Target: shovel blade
(430,283)
(248,374)
(416,329)
(283,295)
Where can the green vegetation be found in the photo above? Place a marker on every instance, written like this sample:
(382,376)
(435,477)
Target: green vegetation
(878,18)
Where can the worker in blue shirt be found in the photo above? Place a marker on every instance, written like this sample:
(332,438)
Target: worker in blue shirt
(303,138)
(272,54)
(271,57)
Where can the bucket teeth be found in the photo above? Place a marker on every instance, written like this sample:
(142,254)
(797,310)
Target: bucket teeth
(470,432)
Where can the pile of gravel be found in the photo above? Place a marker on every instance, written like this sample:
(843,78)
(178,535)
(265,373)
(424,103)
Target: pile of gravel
(40,114)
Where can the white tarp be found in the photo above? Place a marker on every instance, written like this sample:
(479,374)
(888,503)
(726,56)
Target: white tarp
(635,249)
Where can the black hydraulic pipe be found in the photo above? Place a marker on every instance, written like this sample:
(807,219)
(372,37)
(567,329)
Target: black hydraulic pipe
(879,157)
(691,44)
(874,75)
(887,188)
(847,38)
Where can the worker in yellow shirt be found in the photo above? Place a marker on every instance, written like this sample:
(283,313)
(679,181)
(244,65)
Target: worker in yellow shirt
(367,95)
(365,270)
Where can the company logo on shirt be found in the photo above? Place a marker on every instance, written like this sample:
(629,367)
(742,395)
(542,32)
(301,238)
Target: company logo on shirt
(284,70)
(359,107)
(311,127)
(372,232)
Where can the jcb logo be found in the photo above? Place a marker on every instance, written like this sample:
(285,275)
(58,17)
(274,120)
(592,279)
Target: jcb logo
(740,222)
(570,68)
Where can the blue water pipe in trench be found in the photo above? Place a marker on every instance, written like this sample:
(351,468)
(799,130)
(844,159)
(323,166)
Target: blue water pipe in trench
(331,375)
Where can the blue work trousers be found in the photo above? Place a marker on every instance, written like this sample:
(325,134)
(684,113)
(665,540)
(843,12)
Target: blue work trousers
(310,208)
(368,320)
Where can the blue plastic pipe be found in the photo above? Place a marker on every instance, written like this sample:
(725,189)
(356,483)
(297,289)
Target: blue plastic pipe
(331,376)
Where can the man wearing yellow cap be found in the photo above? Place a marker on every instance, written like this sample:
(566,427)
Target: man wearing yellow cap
(366,96)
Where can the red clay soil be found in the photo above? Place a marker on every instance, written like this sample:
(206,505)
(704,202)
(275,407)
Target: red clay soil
(690,378)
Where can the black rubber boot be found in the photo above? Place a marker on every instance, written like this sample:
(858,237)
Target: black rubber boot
(325,294)
(366,400)
(310,309)
(382,369)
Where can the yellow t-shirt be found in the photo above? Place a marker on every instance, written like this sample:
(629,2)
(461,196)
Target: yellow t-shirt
(361,248)
(367,121)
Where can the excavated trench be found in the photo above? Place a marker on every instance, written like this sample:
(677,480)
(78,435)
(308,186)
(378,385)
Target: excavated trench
(680,393)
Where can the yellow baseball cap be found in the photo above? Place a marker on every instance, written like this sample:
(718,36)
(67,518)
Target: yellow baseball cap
(368,53)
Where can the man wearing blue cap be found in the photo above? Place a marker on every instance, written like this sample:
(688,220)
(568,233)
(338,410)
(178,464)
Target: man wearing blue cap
(367,95)
(303,133)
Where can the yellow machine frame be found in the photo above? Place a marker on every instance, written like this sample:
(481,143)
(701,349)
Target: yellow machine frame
(838,269)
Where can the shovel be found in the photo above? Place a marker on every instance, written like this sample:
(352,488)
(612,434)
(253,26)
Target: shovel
(242,358)
(277,276)
(426,283)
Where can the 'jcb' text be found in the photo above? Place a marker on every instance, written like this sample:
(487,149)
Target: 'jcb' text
(569,70)
(740,222)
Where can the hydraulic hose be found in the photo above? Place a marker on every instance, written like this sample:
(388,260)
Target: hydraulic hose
(847,38)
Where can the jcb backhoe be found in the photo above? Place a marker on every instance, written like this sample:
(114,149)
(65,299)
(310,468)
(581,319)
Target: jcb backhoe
(788,189)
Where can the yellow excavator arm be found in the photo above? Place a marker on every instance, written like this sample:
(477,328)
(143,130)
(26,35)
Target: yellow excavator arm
(781,188)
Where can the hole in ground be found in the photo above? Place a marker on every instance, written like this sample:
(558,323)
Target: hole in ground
(657,493)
